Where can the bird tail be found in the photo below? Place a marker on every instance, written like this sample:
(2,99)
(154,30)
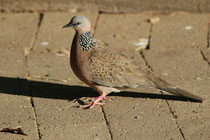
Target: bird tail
(161,84)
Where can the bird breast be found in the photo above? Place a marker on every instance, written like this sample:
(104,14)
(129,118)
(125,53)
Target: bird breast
(79,61)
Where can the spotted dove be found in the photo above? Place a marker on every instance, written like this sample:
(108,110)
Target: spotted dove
(107,70)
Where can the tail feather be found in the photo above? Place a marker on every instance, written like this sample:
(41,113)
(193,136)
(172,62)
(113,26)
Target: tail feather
(160,84)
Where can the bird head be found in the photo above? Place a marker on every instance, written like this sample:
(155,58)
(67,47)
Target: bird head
(81,24)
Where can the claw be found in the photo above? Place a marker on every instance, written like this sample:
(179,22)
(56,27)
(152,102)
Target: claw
(96,101)
(91,105)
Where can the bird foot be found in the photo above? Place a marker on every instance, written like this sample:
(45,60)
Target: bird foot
(96,101)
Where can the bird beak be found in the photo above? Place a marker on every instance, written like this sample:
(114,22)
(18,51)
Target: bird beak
(67,25)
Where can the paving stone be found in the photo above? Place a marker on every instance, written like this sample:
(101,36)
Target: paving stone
(136,118)
(52,89)
(196,128)
(206,51)
(81,132)
(16,109)
(12,62)
(50,66)
(187,31)
(57,112)
(131,117)
(17,29)
(178,65)
(122,31)
(206,55)
(193,118)
(17,32)
(52,36)
(174,56)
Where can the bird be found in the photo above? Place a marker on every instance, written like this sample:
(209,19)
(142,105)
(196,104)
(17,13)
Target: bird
(107,70)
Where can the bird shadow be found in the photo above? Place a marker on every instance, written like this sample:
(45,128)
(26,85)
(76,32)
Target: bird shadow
(24,87)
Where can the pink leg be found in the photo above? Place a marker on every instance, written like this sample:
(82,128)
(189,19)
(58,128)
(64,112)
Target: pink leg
(95,101)
(103,91)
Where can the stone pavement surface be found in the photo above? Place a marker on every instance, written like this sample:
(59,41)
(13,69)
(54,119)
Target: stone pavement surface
(39,92)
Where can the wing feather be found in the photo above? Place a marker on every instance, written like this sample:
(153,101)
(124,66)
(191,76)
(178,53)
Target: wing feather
(113,69)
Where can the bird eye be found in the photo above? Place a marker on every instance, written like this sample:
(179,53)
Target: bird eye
(78,23)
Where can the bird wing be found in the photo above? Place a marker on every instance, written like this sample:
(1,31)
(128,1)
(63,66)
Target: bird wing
(111,68)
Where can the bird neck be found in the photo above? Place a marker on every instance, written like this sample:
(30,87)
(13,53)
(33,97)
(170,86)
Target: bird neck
(86,41)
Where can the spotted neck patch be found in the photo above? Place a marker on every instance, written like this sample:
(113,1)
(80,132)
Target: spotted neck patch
(86,41)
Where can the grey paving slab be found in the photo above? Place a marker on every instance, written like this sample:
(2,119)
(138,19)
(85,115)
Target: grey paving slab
(16,109)
(128,115)
(82,132)
(193,118)
(12,62)
(206,55)
(175,55)
(178,65)
(136,118)
(17,29)
(122,31)
(17,32)
(50,66)
(187,31)
(58,115)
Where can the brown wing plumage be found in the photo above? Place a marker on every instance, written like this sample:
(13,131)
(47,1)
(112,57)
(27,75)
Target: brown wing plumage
(112,68)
